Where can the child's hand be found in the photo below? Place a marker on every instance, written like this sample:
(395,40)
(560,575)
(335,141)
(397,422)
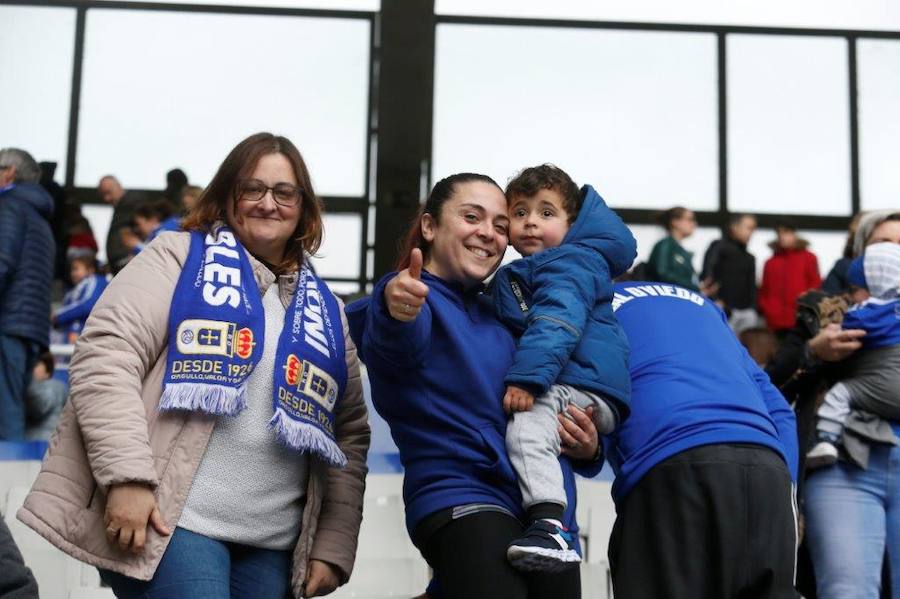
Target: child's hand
(517,400)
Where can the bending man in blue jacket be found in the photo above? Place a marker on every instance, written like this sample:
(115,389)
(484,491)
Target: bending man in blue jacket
(570,350)
(705,462)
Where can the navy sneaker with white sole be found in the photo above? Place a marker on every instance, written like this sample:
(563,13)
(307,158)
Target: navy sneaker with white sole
(544,547)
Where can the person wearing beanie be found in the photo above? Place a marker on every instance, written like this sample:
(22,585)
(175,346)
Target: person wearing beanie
(845,553)
(884,222)
(872,385)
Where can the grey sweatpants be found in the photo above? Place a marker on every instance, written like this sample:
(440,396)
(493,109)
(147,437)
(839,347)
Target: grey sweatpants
(532,441)
(873,385)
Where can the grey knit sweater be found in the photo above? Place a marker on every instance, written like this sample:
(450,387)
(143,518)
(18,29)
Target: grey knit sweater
(249,489)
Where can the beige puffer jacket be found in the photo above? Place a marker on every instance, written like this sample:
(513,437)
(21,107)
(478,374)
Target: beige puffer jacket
(111,431)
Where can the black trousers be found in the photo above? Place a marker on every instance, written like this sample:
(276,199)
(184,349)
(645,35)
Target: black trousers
(713,522)
(468,556)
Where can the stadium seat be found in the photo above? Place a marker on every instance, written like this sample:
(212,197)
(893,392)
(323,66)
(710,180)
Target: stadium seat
(387,563)
(596,515)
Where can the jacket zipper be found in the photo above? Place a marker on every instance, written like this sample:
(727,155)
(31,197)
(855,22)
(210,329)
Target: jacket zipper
(560,322)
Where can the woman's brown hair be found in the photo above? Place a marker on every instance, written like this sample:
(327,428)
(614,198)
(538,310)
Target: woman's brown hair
(212,207)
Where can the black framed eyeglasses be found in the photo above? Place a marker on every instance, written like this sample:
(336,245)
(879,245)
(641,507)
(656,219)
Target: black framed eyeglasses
(285,194)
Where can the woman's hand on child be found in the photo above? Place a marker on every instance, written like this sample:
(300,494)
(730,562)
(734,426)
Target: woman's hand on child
(833,343)
(405,294)
(517,400)
(577,434)
(130,509)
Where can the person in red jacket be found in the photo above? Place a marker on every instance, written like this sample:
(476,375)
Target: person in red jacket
(790,271)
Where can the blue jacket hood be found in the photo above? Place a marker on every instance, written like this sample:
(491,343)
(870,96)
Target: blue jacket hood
(559,302)
(601,229)
(32,194)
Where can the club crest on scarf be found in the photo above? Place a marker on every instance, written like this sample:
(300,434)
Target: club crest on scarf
(216,335)
(313,370)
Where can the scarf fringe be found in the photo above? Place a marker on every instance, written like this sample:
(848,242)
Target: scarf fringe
(212,399)
(304,436)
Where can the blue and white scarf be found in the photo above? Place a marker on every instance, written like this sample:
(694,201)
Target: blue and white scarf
(216,335)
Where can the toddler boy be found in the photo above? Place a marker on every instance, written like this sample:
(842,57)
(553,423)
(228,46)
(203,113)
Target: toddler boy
(557,300)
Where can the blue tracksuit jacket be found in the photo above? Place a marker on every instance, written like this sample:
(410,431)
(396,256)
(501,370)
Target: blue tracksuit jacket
(438,382)
(78,303)
(692,384)
(558,302)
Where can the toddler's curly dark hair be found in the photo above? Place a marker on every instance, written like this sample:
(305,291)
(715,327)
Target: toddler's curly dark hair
(531,180)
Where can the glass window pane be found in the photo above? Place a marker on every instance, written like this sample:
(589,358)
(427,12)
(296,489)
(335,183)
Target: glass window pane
(812,14)
(164,90)
(788,125)
(36,50)
(878,67)
(612,108)
(340,255)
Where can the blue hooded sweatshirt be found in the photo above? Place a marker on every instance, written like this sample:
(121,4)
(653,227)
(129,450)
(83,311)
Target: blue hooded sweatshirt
(692,384)
(438,382)
(558,303)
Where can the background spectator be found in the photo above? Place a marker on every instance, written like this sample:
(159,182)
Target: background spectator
(790,271)
(26,273)
(849,502)
(732,268)
(58,222)
(836,281)
(81,240)
(190,195)
(875,227)
(669,261)
(78,303)
(124,203)
(150,219)
(176,181)
(45,400)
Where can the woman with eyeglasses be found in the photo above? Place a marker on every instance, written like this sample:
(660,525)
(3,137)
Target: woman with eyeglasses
(215,440)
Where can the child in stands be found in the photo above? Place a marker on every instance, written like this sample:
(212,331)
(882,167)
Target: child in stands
(557,300)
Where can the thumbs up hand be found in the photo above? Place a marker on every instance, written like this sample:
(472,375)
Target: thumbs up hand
(406,293)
